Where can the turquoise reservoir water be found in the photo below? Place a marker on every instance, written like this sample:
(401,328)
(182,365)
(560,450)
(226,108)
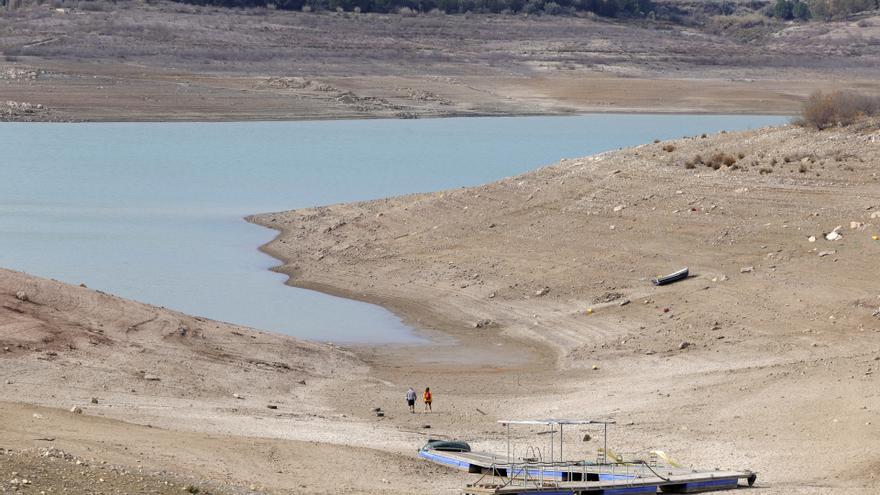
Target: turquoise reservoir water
(153,211)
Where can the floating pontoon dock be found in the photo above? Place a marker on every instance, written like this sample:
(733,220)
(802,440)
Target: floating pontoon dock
(505,474)
(686,483)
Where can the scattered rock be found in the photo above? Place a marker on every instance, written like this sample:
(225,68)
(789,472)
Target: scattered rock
(875,214)
(619,207)
(834,235)
(426,427)
(607,297)
(624,302)
(485,323)
(380,414)
(76,410)
(151,378)
(94,400)
(237,396)
(272,406)
(822,254)
(812,238)
(857,225)
(595,367)
(492,295)
(22,296)
(747,269)
(684,345)
(542,292)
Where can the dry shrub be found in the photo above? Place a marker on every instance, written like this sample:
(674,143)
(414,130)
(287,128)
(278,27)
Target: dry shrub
(669,148)
(689,164)
(842,108)
(766,170)
(719,159)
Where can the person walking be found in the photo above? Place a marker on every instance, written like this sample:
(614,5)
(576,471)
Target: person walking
(428,398)
(411,400)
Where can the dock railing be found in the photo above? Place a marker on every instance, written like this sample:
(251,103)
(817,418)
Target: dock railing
(548,474)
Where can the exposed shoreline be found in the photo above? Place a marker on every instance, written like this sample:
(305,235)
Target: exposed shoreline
(475,253)
(172,118)
(752,383)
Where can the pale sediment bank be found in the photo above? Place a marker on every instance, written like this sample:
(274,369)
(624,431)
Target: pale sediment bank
(780,338)
(561,258)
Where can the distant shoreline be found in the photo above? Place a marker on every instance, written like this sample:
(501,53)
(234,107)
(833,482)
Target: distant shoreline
(231,119)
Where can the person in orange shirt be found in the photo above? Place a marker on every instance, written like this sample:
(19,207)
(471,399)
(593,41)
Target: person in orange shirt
(428,399)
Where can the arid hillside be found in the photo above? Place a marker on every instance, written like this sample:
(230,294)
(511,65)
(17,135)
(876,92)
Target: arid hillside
(169,61)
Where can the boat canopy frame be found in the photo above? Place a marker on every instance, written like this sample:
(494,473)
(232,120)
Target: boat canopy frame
(553,423)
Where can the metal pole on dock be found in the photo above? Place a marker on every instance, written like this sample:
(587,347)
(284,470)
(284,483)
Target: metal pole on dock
(605,452)
(560,443)
(508,447)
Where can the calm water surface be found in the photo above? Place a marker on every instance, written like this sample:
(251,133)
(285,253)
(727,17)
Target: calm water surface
(153,211)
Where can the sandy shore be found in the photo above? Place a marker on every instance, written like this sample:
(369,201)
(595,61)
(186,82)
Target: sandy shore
(534,290)
(778,367)
(765,357)
(187,399)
